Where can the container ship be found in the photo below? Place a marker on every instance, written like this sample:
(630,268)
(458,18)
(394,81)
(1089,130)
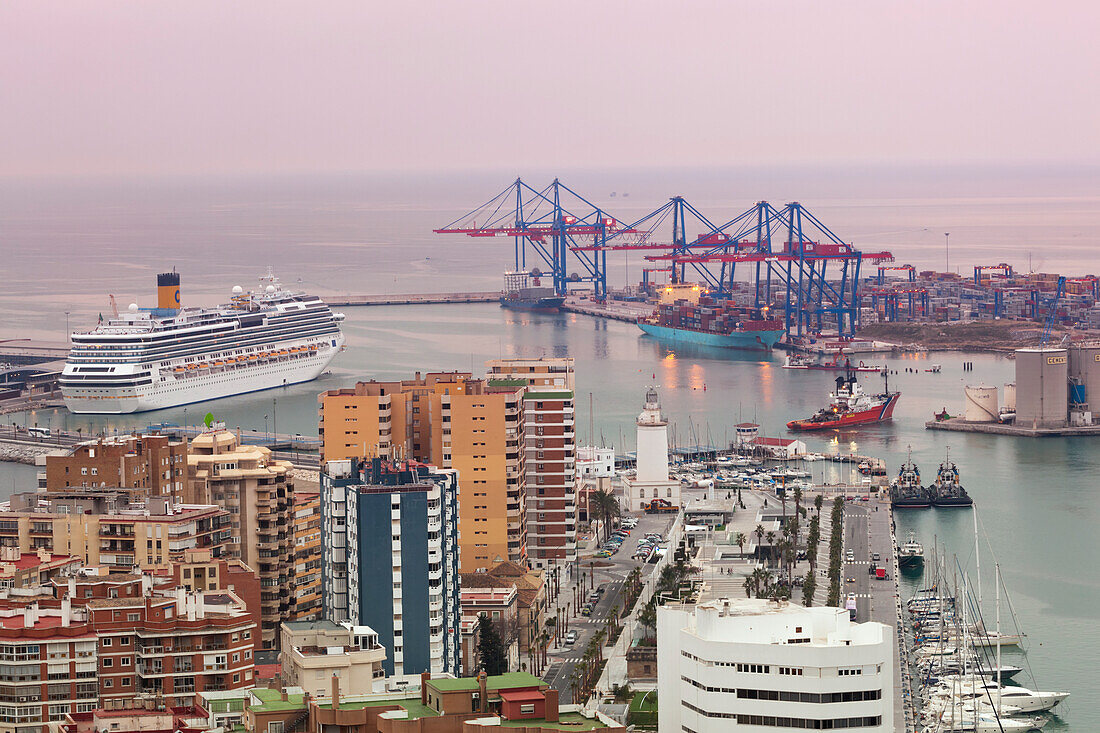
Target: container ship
(522,292)
(153,358)
(686,313)
(850,406)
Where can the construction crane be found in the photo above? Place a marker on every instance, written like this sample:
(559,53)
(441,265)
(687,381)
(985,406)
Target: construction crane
(1052,311)
(114,305)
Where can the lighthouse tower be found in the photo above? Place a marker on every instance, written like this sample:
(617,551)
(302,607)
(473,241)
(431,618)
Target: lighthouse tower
(652,441)
(651,479)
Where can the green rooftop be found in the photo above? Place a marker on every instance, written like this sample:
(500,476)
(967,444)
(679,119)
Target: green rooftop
(272,701)
(548,396)
(411,705)
(507,382)
(508,681)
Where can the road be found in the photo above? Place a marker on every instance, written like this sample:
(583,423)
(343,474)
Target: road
(563,659)
(867,531)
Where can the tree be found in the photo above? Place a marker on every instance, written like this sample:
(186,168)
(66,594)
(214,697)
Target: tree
(492,656)
(605,507)
(759,532)
(739,540)
(818,501)
(647,617)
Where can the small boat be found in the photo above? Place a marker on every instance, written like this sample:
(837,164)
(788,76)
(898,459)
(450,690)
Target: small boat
(934,369)
(911,554)
(798,361)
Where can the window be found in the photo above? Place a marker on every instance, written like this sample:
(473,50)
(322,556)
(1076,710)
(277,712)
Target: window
(275,726)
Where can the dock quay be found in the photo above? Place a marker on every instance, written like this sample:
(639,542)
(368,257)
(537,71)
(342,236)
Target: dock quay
(614,311)
(28,351)
(868,530)
(960,425)
(345,301)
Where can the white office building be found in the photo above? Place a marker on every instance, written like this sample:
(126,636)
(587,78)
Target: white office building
(758,665)
(651,480)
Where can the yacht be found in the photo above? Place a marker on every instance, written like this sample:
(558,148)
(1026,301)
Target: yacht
(911,554)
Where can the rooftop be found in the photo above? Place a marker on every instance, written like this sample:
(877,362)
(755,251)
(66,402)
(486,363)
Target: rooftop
(566,721)
(508,681)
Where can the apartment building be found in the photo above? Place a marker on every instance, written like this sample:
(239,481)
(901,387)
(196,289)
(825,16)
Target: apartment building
(753,662)
(390,558)
(449,420)
(312,652)
(48,667)
(306,601)
(105,527)
(30,569)
(155,463)
(256,490)
(549,452)
(173,646)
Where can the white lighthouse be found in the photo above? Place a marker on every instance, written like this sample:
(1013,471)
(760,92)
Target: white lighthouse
(651,478)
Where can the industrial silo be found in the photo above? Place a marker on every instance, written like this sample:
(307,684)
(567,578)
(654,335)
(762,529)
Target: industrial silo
(1042,392)
(981,404)
(1084,371)
(1010,397)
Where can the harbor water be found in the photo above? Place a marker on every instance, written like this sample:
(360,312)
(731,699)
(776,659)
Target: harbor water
(1036,498)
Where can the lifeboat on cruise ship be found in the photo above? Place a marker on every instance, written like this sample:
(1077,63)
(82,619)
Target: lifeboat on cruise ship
(252,357)
(219,363)
(179,370)
(313,347)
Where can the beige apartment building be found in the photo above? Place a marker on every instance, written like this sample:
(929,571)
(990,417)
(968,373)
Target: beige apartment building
(449,420)
(255,489)
(311,652)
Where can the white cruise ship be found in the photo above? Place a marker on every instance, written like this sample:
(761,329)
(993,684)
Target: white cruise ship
(149,359)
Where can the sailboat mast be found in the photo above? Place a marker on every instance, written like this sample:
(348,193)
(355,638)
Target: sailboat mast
(977,557)
(997,581)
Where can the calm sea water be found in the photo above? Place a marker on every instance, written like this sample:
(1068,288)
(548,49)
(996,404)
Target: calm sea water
(67,249)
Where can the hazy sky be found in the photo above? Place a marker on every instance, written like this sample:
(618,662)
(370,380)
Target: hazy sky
(119,87)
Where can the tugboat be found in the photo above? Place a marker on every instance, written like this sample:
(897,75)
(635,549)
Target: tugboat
(850,406)
(911,554)
(946,490)
(521,293)
(906,491)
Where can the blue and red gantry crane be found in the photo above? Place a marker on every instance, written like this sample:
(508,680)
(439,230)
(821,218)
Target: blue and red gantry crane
(788,250)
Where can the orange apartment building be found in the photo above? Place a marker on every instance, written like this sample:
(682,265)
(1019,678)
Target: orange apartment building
(550,451)
(306,602)
(450,420)
(155,463)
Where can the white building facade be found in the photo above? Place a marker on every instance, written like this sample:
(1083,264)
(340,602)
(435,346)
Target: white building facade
(651,480)
(756,665)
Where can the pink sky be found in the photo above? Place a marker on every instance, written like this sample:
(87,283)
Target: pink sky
(136,86)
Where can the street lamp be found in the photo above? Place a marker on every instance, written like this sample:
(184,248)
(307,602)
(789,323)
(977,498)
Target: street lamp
(947,250)
(68,333)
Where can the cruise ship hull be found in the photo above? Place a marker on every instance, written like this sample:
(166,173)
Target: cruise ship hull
(175,391)
(745,340)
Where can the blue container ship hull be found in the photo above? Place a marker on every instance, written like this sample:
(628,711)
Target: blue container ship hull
(745,340)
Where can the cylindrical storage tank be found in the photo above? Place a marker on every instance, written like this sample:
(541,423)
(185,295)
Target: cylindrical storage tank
(1042,387)
(981,404)
(1010,396)
(1084,366)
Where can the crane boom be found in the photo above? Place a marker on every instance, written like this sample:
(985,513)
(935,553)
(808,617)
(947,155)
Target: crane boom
(114,305)
(1052,311)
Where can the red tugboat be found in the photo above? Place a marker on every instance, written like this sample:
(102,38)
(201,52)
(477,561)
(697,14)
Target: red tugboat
(850,406)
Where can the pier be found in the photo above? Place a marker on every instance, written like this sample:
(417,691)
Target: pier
(344,301)
(960,425)
(630,313)
(29,351)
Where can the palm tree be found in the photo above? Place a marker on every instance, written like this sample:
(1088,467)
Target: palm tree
(604,506)
(759,532)
(669,580)
(797,499)
(818,501)
(739,540)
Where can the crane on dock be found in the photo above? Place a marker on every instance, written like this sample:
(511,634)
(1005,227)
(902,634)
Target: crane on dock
(1052,311)
(559,226)
(1004,268)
